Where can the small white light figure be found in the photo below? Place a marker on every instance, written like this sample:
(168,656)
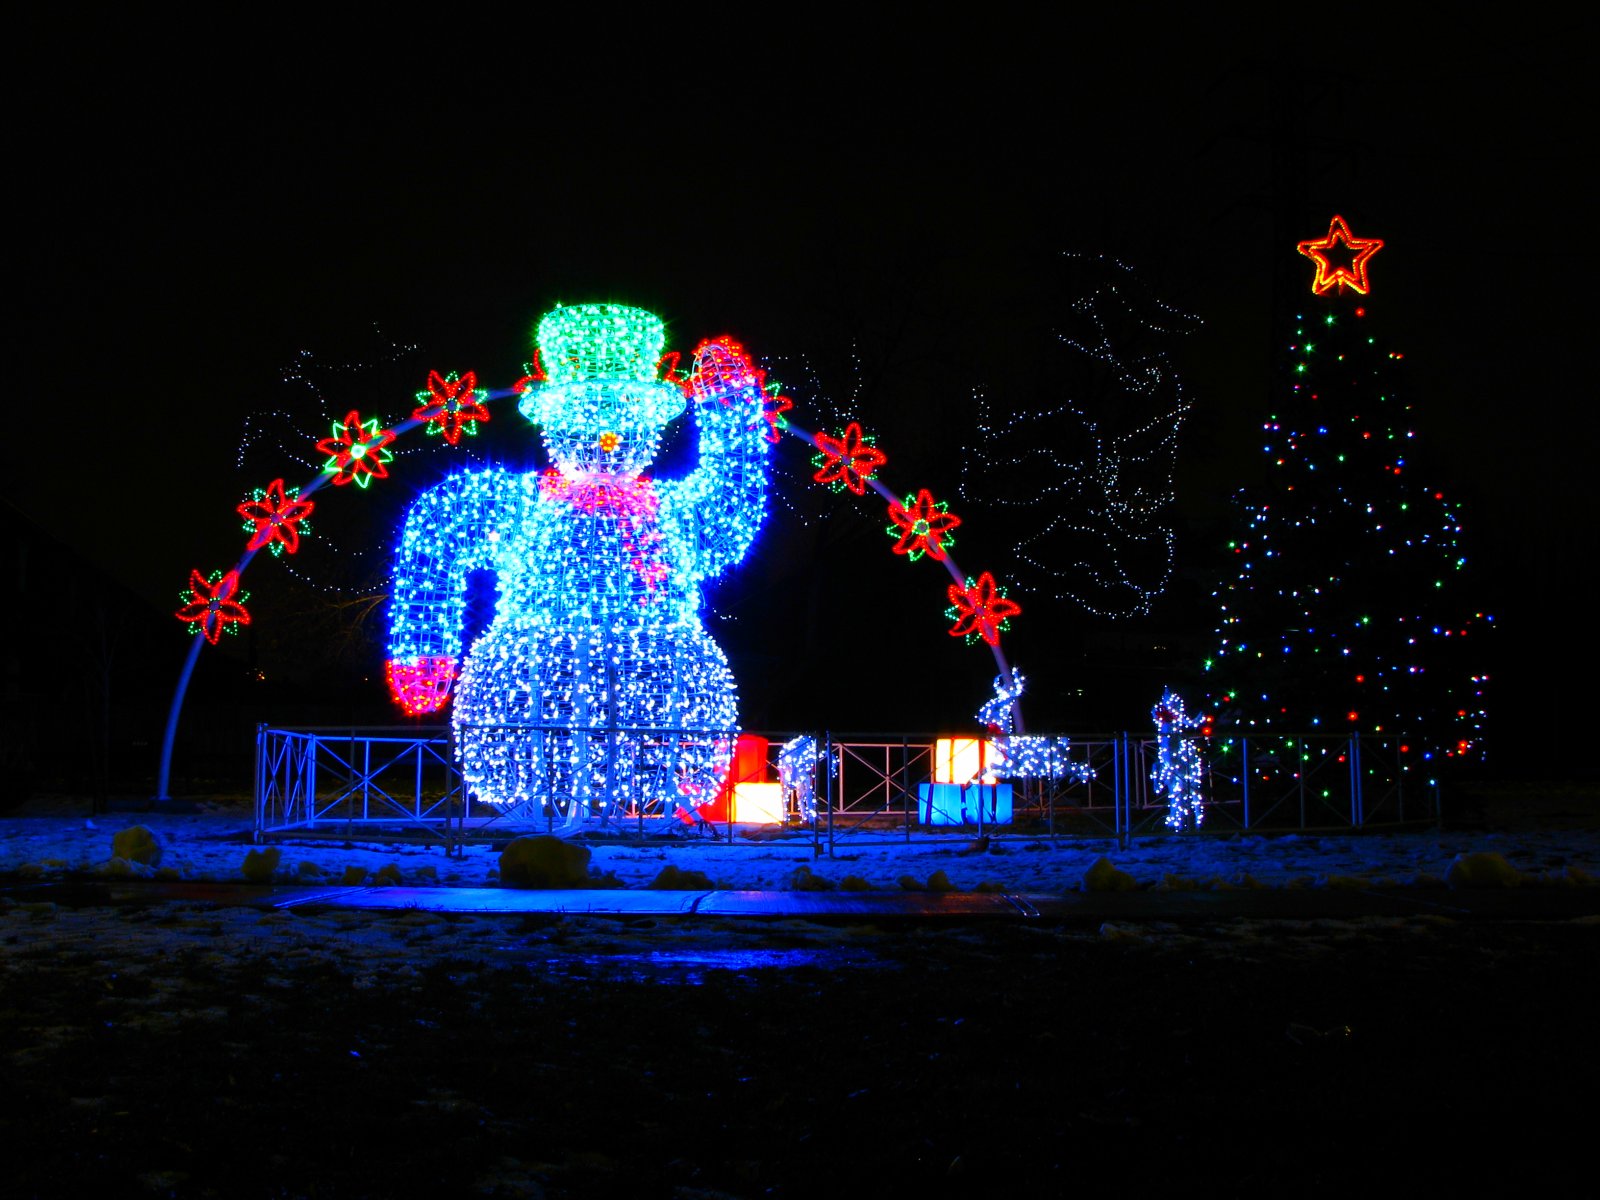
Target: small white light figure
(1178,774)
(596,689)
(797,772)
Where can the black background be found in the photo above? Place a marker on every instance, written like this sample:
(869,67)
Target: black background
(196,205)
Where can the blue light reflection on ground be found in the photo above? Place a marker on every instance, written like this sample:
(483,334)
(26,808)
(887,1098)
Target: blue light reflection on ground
(679,967)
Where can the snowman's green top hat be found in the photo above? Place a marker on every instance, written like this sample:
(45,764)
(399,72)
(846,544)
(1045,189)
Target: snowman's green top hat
(612,347)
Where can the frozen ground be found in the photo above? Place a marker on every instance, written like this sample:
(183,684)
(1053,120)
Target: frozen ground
(58,838)
(216,1048)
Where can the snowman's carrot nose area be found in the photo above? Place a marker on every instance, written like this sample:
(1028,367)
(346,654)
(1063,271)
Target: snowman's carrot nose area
(608,442)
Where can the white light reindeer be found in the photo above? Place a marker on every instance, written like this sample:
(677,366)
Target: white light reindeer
(1020,756)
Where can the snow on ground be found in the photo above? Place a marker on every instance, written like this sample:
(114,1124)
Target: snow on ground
(54,839)
(462,1032)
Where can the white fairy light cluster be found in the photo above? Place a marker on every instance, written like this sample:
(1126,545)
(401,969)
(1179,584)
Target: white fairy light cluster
(596,690)
(793,485)
(1179,773)
(307,375)
(277,435)
(1091,494)
(1021,756)
(797,773)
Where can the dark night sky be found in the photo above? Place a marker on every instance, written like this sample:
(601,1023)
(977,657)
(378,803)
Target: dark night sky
(190,223)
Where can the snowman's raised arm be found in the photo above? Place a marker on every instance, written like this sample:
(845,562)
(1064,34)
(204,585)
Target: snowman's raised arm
(450,530)
(719,507)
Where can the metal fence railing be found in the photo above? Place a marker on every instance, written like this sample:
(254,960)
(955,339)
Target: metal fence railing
(346,781)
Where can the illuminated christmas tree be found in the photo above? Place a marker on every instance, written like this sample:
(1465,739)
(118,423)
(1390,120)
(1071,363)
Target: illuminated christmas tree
(1347,609)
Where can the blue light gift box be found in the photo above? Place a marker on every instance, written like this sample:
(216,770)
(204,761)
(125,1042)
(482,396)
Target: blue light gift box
(970,804)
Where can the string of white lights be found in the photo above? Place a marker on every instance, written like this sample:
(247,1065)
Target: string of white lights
(1088,481)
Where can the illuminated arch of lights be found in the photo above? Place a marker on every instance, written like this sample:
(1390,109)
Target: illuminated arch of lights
(607,634)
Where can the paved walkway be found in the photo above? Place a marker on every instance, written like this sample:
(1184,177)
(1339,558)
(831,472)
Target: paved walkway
(1544,904)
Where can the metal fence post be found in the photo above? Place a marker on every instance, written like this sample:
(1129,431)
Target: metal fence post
(732,799)
(1116,786)
(1358,810)
(905,783)
(261,793)
(313,753)
(828,767)
(1122,799)
(1399,781)
(816,768)
(1244,774)
(1300,777)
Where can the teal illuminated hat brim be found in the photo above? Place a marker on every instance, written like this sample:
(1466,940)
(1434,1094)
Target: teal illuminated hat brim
(648,405)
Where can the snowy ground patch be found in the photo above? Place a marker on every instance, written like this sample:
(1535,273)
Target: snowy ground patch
(56,839)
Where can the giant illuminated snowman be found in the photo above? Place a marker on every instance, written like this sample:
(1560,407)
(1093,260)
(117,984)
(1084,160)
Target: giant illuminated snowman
(596,690)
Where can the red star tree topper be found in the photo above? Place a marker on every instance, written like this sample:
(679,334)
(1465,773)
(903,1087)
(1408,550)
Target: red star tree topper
(922,526)
(980,610)
(452,405)
(846,461)
(1338,268)
(356,450)
(273,518)
(214,605)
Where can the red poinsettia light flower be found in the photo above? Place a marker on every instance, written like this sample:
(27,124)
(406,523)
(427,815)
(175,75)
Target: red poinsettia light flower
(532,373)
(773,411)
(214,605)
(452,405)
(356,450)
(922,526)
(846,461)
(980,610)
(667,370)
(272,518)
